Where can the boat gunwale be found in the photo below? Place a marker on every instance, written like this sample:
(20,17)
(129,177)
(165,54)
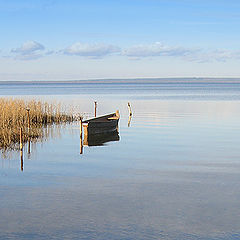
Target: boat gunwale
(100,119)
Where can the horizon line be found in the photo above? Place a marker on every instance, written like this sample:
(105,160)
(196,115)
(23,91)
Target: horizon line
(129,80)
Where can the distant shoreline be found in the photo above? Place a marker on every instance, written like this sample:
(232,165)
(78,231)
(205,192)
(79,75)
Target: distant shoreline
(132,80)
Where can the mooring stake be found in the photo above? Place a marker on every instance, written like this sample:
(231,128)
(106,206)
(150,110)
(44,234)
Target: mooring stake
(28,117)
(129,108)
(95,109)
(81,143)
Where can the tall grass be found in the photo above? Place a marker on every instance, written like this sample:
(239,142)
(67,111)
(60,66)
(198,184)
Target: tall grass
(13,116)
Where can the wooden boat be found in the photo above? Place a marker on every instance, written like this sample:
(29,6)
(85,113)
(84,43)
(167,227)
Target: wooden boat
(99,125)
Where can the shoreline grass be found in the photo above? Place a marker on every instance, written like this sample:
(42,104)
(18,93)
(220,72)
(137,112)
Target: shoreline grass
(13,116)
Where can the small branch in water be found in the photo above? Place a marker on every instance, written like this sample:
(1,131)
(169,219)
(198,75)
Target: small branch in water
(95,109)
(130,110)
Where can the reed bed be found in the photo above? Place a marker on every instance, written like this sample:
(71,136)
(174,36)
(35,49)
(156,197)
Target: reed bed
(14,115)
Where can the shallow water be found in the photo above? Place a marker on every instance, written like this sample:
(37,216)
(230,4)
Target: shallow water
(173,174)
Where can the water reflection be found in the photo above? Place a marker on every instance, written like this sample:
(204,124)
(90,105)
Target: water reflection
(174,175)
(29,147)
(129,120)
(21,159)
(81,144)
(57,133)
(30,140)
(100,139)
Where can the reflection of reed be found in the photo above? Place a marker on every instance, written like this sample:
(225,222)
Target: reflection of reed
(31,117)
(10,137)
(25,123)
(30,140)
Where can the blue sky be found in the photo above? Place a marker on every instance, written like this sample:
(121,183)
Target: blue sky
(74,39)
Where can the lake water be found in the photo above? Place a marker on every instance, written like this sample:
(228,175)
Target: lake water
(174,172)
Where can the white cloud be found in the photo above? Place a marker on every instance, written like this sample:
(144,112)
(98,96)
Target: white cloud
(29,50)
(155,50)
(50,52)
(213,55)
(91,50)
(188,54)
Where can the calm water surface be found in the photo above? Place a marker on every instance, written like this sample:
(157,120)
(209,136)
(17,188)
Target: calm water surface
(173,174)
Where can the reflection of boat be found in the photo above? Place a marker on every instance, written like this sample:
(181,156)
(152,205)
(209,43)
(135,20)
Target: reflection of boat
(100,139)
(100,125)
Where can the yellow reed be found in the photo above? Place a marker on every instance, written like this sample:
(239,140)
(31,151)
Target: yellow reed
(13,116)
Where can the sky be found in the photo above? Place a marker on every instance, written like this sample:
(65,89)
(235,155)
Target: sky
(97,39)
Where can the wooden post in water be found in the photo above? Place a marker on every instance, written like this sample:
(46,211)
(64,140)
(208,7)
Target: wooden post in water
(28,118)
(29,140)
(95,109)
(81,141)
(129,108)
(80,124)
(117,114)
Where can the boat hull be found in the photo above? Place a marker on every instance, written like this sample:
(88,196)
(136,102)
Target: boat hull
(100,125)
(98,128)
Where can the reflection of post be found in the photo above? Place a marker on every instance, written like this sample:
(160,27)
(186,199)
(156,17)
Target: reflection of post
(21,157)
(130,110)
(95,109)
(29,147)
(20,140)
(81,143)
(21,148)
(85,140)
(129,120)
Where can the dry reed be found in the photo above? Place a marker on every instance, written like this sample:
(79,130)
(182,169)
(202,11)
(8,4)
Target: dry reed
(13,116)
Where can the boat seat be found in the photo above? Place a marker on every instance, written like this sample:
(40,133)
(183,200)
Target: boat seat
(113,118)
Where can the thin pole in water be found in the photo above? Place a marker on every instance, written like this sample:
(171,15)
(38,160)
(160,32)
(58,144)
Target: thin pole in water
(81,143)
(29,140)
(28,117)
(95,110)
(129,108)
